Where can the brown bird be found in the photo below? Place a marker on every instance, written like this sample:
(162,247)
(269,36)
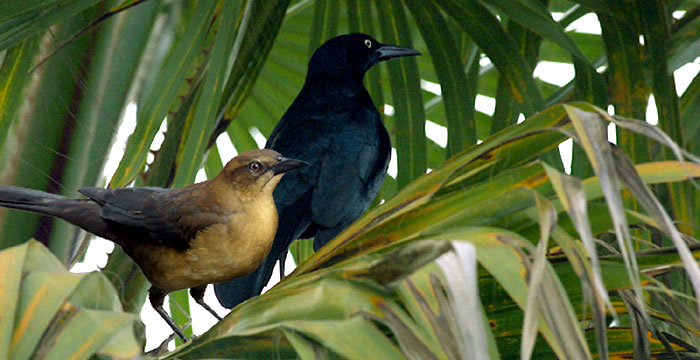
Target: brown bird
(205,233)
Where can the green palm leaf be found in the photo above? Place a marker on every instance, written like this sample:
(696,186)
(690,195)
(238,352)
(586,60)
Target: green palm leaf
(561,255)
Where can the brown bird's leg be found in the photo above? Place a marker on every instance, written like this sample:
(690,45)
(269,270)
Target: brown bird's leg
(197,294)
(157,296)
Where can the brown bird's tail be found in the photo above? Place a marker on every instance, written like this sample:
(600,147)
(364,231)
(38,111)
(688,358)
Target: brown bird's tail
(80,212)
(29,200)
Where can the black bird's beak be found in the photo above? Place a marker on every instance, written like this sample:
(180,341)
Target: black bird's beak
(286,164)
(392,51)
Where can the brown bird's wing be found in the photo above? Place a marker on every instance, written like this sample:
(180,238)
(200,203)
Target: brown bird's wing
(165,216)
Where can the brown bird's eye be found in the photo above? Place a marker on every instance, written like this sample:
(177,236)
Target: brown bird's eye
(254,165)
(368,43)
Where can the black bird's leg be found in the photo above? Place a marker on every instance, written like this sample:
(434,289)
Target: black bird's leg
(282,260)
(197,294)
(156,296)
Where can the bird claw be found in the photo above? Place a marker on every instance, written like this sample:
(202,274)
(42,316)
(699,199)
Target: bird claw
(162,348)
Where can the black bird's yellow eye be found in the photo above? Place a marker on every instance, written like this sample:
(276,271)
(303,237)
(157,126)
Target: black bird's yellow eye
(368,42)
(254,165)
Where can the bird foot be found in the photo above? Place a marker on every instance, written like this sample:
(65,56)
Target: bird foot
(162,348)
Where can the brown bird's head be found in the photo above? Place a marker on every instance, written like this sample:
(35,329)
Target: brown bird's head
(256,171)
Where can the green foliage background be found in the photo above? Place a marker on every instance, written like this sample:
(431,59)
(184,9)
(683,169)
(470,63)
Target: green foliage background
(567,264)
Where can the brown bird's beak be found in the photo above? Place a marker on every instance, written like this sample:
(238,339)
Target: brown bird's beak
(392,51)
(286,164)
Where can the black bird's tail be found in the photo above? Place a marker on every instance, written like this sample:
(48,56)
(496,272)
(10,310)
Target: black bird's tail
(29,200)
(236,291)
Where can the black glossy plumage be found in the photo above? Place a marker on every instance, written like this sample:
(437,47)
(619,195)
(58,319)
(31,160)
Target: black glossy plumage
(333,125)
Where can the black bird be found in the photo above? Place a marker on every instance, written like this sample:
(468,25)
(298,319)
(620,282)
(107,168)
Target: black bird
(334,126)
(204,233)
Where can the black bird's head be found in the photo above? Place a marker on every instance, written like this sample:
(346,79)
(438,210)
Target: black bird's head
(256,171)
(351,55)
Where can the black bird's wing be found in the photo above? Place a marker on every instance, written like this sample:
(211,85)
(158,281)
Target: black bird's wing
(344,189)
(348,151)
(161,216)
